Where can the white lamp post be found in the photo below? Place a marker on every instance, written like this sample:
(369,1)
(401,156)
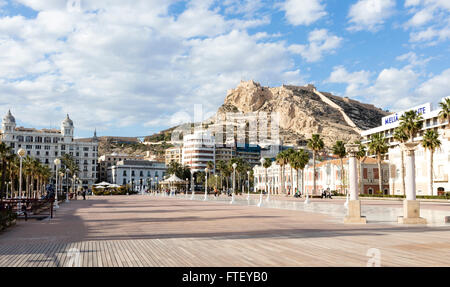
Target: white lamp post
(234,182)
(192,185)
(57,162)
(67,185)
(262,160)
(21,153)
(248,185)
(206,184)
(187,187)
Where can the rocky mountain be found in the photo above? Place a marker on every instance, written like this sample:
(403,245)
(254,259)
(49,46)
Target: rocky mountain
(304,111)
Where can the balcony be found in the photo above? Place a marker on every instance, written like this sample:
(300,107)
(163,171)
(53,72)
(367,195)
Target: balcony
(441,178)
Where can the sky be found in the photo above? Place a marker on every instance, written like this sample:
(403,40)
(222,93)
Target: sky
(133,68)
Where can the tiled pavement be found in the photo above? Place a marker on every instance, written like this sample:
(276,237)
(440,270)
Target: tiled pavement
(161,231)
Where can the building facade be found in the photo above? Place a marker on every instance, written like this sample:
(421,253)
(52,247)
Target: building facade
(174,154)
(141,174)
(441,158)
(328,177)
(107,160)
(46,145)
(198,149)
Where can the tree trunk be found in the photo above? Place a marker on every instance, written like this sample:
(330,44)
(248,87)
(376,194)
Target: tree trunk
(342,176)
(380,175)
(298,177)
(314,174)
(431,172)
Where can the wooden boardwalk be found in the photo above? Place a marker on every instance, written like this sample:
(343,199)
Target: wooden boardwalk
(148,231)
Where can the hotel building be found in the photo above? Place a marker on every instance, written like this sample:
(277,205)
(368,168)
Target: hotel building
(441,157)
(48,144)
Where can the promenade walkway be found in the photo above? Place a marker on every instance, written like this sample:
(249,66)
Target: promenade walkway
(160,231)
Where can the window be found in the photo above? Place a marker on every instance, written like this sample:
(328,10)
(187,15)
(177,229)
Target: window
(124,173)
(55,140)
(141,173)
(20,138)
(86,154)
(47,140)
(47,147)
(85,149)
(29,147)
(37,147)
(63,147)
(132,173)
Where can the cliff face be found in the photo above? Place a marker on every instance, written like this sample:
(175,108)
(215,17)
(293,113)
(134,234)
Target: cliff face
(304,111)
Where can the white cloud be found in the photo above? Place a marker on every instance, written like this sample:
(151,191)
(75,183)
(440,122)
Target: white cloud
(116,63)
(430,22)
(370,14)
(303,12)
(355,81)
(320,42)
(436,88)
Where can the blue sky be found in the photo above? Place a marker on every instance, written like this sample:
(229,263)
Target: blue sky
(135,68)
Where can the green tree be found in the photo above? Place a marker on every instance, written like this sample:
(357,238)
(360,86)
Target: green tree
(361,156)
(444,114)
(267,163)
(282,159)
(339,151)
(411,123)
(300,160)
(378,147)
(401,137)
(431,142)
(5,158)
(316,145)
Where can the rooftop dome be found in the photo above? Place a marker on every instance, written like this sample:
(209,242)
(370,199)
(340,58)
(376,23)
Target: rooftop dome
(9,118)
(67,121)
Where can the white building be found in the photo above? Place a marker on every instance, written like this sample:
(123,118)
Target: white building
(48,144)
(328,177)
(198,150)
(441,164)
(107,160)
(141,174)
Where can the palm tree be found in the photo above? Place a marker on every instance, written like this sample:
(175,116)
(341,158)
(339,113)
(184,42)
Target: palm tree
(290,156)
(221,167)
(339,150)
(282,160)
(411,123)
(431,142)
(401,137)
(301,159)
(361,157)
(13,169)
(444,114)
(378,147)
(5,157)
(28,169)
(267,163)
(315,144)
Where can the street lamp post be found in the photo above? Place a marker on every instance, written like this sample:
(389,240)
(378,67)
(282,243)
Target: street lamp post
(206,184)
(21,153)
(156,184)
(265,184)
(192,185)
(234,182)
(248,185)
(67,185)
(187,187)
(57,162)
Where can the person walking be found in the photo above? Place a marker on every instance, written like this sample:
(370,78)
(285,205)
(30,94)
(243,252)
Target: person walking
(83,193)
